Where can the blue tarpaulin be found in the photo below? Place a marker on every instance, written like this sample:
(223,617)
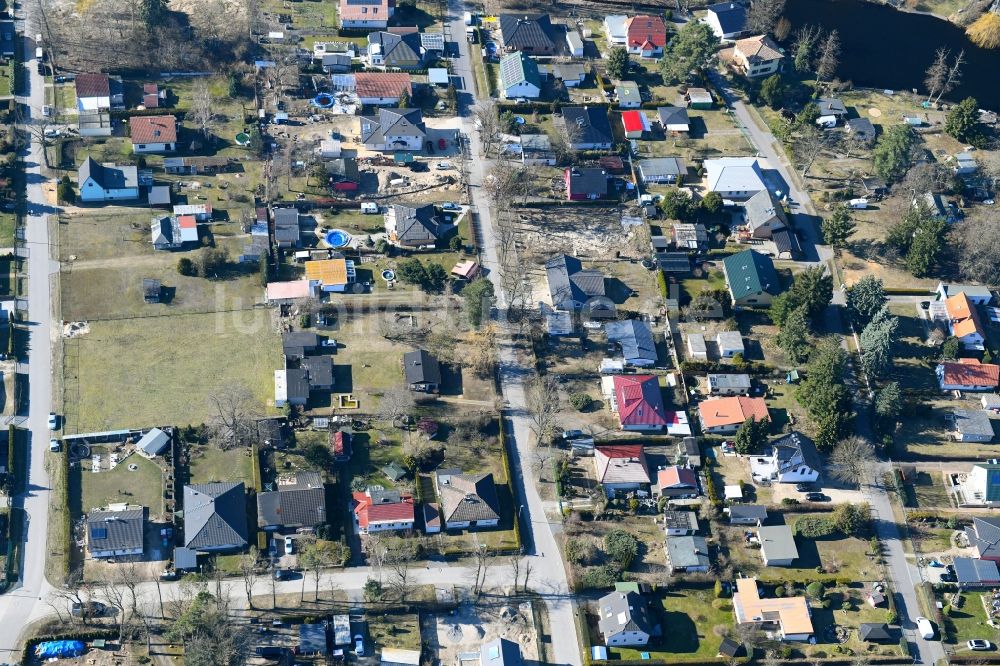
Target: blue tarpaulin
(50,649)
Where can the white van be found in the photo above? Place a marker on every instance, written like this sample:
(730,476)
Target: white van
(369,208)
(925,628)
(858,204)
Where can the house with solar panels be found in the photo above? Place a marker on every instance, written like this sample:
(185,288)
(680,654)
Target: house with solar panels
(117,532)
(519,77)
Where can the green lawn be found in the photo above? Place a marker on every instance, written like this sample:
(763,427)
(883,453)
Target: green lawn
(5,81)
(162,370)
(395,631)
(209,463)
(7,222)
(968,621)
(141,486)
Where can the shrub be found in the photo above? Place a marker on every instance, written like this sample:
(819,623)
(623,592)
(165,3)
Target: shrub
(621,547)
(779,591)
(456,243)
(186,267)
(600,577)
(719,592)
(581,401)
(815,589)
(789,501)
(722,605)
(814,526)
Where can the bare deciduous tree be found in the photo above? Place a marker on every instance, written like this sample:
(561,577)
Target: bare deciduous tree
(808,145)
(248,571)
(829,57)
(543,406)
(763,15)
(488,123)
(394,404)
(851,460)
(202,112)
(937,74)
(236,413)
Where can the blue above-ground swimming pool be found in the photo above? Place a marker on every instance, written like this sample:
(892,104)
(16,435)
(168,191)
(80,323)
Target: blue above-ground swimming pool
(388,275)
(322,100)
(337,238)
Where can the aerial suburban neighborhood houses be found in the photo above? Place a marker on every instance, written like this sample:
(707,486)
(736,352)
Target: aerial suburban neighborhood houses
(485,334)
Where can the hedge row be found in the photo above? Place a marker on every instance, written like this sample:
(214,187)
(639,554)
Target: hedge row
(505,459)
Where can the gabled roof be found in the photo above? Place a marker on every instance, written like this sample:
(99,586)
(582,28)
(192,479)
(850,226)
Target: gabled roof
(634,121)
(732,411)
(623,611)
(568,280)
(732,16)
(794,445)
(215,515)
(467,497)
(972,422)
(860,125)
(421,367)
(676,477)
(517,68)
(761,48)
(749,272)
(639,400)
(646,29)
(523,31)
(108,176)
(415,225)
(362,10)
(327,272)
(763,208)
(116,530)
(984,536)
(299,501)
(319,369)
(621,463)
(747,511)
(973,571)
(92,85)
(295,344)
(153,129)
(662,166)
(589,124)
(384,84)
(634,337)
(969,372)
(154,441)
(394,48)
(964,316)
(382,506)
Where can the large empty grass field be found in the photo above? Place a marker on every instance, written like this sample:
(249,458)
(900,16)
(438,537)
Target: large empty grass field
(161,370)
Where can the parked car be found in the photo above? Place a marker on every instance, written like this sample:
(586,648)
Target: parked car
(925,628)
(804,487)
(449,205)
(94,609)
(443,166)
(816,497)
(54,446)
(270,650)
(53,421)
(571,434)
(980,644)
(282,574)
(289,545)
(330,343)
(359,645)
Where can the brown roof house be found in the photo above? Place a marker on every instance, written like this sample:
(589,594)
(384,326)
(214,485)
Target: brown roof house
(365,13)
(153,134)
(468,501)
(757,56)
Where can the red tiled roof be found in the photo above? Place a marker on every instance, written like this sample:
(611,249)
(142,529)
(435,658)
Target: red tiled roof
(187,222)
(382,84)
(368,513)
(93,85)
(621,463)
(154,129)
(676,476)
(964,316)
(643,28)
(340,442)
(639,400)
(633,121)
(970,372)
(369,11)
(731,411)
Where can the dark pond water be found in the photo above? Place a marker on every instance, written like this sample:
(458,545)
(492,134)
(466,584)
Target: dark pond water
(886,48)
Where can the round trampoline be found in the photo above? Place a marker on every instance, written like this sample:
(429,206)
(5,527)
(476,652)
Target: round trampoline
(242,138)
(337,238)
(323,101)
(388,275)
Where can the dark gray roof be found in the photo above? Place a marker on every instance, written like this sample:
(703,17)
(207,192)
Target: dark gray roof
(215,515)
(787,241)
(973,422)
(674,262)
(108,176)
(984,536)
(115,530)
(295,344)
(529,32)
(661,166)
(396,50)
(687,551)
(588,180)
(300,501)
(689,445)
(591,123)
(185,558)
(861,126)
(393,122)
(635,338)
(500,652)
(623,611)
(831,106)
(874,631)
(421,367)
(312,638)
(568,280)
(672,115)
(343,168)
(683,520)
(320,370)
(732,16)
(795,443)
(748,511)
(763,208)
(416,225)
(467,497)
(731,648)
(972,571)
(297,384)
(286,217)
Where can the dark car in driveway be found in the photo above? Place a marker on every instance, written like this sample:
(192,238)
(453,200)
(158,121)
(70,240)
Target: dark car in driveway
(817,497)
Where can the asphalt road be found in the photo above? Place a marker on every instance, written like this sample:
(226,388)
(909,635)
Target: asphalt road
(24,601)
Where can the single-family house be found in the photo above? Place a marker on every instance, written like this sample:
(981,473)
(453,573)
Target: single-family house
(571,286)
(730,343)
(764,215)
(687,554)
(153,134)
(117,532)
(572,74)
(968,374)
(726,415)
(377,510)
(679,523)
(861,128)
(984,534)
(757,56)
(500,652)
(467,501)
(965,164)
(413,227)
(519,76)
(751,278)
(97,92)
(8,37)
(621,468)
(422,371)
(964,322)
(107,182)
(639,403)
(690,236)
(676,482)
(383,89)
(791,459)
(165,233)
(832,106)
(645,35)
(299,501)
(388,49)
(529,33)
(634,123)
(616,30)
(699,98)
(624,619)
(536,150)
(635,339)
(215,516)
(777,545)
(971,425)
(586,183)
(746,514)
(975,294)
(153,443)
(627,93)
(360,14)
(291,387)
(588,128)
(319,372)
(789,617)
(394,130)
(661,170)
(335,63)
(331,275)
(724,384)
(696,347)
(973,573)
(728,20)
(295,345)
(874,632)
(674,119)
(734,178)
